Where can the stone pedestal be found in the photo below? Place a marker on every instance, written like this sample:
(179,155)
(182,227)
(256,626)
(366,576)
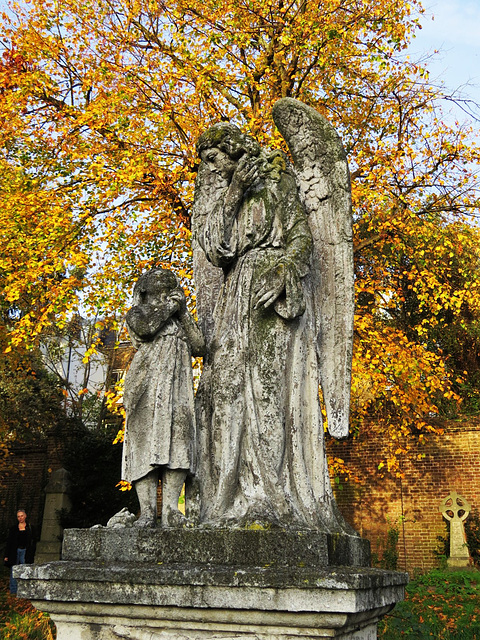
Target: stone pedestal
(196,584)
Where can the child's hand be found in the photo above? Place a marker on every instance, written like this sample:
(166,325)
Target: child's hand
(178,296)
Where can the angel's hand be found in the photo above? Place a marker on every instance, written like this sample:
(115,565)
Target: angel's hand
(271,286)
(246,172)
(178,296)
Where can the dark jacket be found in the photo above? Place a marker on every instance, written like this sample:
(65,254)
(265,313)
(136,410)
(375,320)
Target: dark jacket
(11,548)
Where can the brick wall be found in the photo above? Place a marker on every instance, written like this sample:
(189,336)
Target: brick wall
(451,462)
(23,488)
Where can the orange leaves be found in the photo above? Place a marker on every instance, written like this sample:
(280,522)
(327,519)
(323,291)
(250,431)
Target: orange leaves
(114,404)
(337,469)
(21,621)
(12,65)
(119,437)
(123,485)
(396,382)
(418,284)
(393,372)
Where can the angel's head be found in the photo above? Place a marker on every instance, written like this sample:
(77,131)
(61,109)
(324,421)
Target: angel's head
(223,145)
(154,285)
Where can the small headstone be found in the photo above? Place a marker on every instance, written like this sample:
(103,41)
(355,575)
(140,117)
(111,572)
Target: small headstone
(57,498)
(455,509)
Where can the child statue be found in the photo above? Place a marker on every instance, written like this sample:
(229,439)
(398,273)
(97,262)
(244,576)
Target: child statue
(158,397)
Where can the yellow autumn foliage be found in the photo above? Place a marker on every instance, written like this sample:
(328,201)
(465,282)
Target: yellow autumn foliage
(101,102)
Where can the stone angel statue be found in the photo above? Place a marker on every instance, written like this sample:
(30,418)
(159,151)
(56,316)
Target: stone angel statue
(274,275)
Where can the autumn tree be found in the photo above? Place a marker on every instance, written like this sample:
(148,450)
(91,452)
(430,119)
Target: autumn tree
(102,102)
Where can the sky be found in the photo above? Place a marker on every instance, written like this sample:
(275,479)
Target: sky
(455,34)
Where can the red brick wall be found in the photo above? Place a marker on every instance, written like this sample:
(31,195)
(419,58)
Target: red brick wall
(451,462)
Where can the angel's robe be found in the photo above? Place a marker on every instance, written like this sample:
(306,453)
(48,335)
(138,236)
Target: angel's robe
(260,429)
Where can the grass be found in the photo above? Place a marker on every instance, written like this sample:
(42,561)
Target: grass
(444,605)
(19,620)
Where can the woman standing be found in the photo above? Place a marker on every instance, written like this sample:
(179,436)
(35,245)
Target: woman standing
(20,547)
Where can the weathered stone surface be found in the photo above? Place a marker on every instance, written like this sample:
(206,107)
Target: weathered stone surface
(272,558)
(282,322)
(323,178)
(173,584)
(456,509)
(158,397)
(233,547)
(110,622)
(146,600)
(290,588)
(121,519)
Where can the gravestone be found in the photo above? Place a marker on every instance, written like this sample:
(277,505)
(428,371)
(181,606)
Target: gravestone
(264,553)
(456,509)
(57,499)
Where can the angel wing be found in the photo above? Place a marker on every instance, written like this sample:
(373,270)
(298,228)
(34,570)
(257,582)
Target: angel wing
(208,278)
(324,186)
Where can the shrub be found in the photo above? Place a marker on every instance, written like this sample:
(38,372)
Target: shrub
(94,464)
(472,531)
(34,625)
(19,620)
(387,556)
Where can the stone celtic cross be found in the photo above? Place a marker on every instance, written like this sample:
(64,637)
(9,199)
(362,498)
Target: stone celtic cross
(455,509)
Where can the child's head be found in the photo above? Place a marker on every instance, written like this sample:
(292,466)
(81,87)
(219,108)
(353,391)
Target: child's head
(153,284)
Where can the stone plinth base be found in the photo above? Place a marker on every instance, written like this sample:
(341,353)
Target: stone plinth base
(191,595)
(107,622)
(459,562)
(97,601)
